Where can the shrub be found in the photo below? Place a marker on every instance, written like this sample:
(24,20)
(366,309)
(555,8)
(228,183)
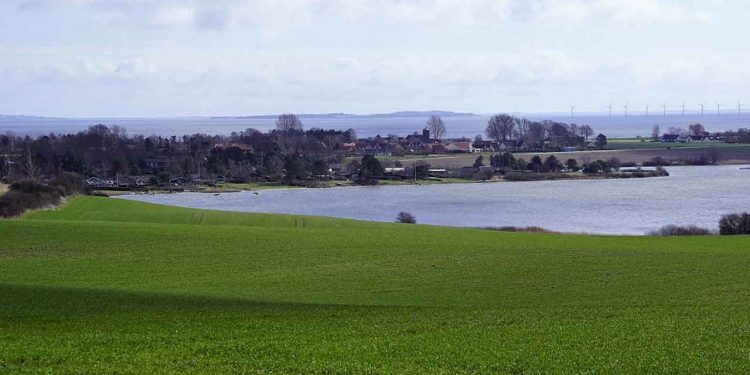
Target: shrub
(406,218)
(572,165)
(733,224)
(31,195)
(70,184)
(28,195)
(597,167)
(521,229)
(518,176)
(656,162)
(681,230)
(615,162)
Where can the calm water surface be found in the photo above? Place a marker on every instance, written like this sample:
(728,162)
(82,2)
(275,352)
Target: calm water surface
(691,195)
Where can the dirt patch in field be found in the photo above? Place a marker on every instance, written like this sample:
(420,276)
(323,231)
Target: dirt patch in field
(3,189)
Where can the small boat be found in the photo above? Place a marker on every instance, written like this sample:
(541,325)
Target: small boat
(216,194)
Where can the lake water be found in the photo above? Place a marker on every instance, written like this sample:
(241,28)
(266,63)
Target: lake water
(691,195)
(457,126)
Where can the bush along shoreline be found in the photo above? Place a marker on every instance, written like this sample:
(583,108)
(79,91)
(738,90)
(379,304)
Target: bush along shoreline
(28,195)
(729,225)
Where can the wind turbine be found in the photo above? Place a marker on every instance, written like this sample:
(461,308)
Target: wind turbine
(683,109)
(572,110)
(739,110)
(718,109)
(646,110)
(701,109)
(626,109)
(610,111)
(664,106)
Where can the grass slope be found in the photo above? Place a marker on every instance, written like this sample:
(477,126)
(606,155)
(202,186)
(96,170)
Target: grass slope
(119,210)
(107,285)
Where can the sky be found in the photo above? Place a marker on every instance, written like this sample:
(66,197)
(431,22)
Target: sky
(151,58)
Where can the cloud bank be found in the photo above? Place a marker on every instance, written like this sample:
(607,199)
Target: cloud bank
(152,57)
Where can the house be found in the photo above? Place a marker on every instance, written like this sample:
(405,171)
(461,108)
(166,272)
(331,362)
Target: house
(398,150)
(670,138)
(512,146)
(435,148)
(438,172)
(100,183)
(94,181)
(459,147)
(178,181)
(377,151)
(348,146)
(696,138)
(484,146)
(396,172)
(486,169)
(569,149)
(131,182)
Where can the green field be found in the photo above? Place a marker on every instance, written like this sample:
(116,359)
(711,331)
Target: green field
(647,144)
(111,286)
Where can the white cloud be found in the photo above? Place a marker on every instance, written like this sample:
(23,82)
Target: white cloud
(319,54)
(277,15)
(631,12)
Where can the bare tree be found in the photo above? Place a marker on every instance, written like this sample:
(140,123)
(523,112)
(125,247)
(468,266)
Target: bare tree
(697,129)
(288,122)
(535,134)
(586,132)
(436,126)
(29,168)
(500,127)
(522,129)
(406,218)
(655,132)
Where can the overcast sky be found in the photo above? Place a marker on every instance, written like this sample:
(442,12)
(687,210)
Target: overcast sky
(234,57)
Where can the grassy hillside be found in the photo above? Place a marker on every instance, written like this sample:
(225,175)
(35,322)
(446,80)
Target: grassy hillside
(118,210)
(107,285)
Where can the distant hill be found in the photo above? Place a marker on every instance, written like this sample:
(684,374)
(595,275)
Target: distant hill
(399,114)
(22,117)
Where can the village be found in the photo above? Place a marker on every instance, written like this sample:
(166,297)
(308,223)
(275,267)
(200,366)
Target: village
(514,149)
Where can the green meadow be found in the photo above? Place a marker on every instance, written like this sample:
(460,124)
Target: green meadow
(104,285)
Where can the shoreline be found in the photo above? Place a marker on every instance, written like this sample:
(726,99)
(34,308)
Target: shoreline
(270,203)
(256,187)
(538,177)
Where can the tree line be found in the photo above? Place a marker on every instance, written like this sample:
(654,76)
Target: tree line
(109,151)
(505,127)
